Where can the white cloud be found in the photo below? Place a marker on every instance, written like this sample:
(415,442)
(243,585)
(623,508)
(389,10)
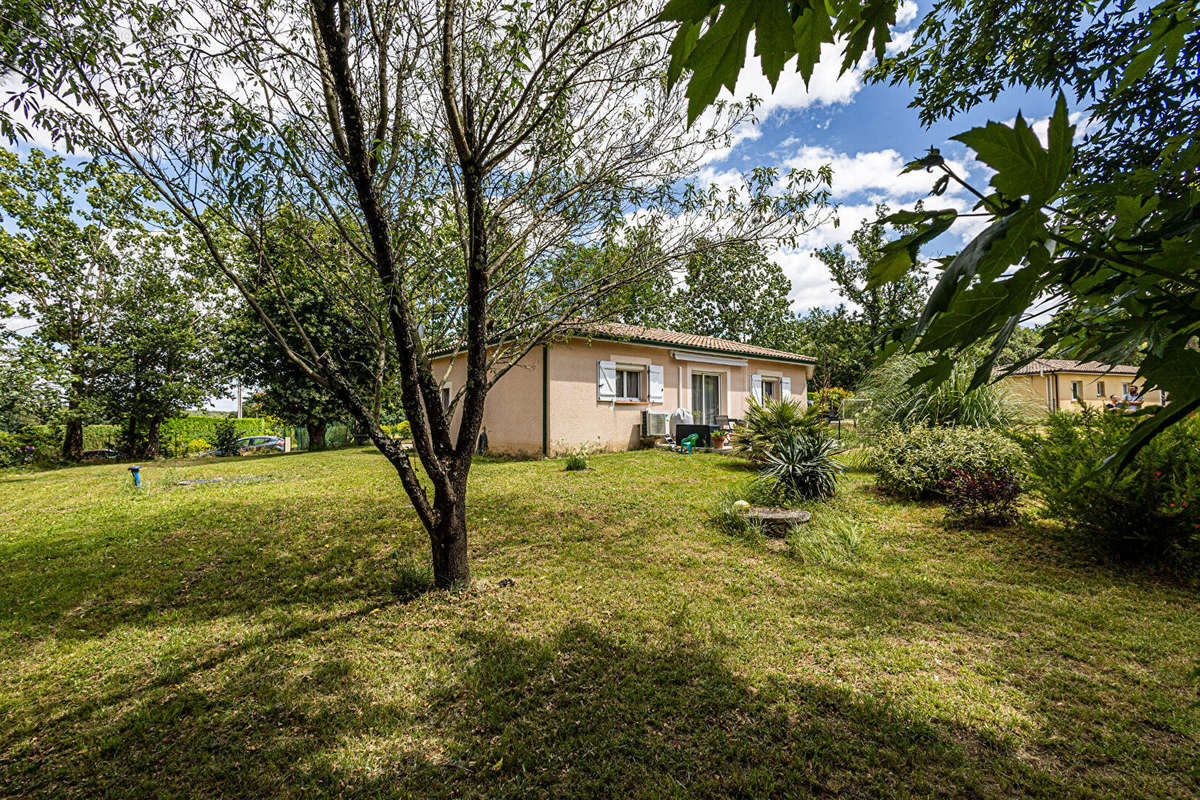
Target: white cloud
(906,13)
(876,171)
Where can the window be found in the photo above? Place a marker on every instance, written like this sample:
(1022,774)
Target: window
(446,397)
(706,397)
(770,389)
(629,384)
(1076,390)
(1099,388)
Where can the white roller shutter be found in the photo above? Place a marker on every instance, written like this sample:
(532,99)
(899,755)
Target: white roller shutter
(756,387)
(785,388)
(655,372)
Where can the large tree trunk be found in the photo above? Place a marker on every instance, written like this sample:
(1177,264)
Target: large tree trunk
(448,540)
(72,448)
(316,435)
(152,439)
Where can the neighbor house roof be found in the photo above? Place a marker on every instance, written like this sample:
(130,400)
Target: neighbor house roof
(690,341)
(617,331)
(1040,366)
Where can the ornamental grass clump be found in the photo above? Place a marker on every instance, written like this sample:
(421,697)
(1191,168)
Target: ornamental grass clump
(951,403)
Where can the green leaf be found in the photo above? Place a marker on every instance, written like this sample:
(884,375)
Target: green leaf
(773,39)
(812,29)
(1023,167)
(898,257)
(719,55)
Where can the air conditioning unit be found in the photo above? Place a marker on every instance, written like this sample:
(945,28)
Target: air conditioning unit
(655,423)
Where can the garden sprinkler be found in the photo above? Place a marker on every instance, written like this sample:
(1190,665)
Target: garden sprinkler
(136,471)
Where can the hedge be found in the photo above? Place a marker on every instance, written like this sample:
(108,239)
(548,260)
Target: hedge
(185,429)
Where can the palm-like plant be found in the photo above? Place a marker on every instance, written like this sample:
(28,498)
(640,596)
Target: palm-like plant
(769,422)
(802,467)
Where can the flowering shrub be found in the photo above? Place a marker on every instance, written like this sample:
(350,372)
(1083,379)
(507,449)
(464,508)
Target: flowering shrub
(829,401)
(1149,510)
(981,497)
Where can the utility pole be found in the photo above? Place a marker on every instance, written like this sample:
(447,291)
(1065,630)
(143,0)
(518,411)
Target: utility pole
(239,398)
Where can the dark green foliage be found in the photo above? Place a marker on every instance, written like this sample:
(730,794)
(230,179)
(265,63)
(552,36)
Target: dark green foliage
(840,341)
(575,462)
(981,497)
(196,427)
(1149,511)
(225,436)
(916,463)
(769,422)
(35,445)
(801,467)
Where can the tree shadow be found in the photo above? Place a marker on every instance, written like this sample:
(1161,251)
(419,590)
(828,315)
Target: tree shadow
(580,714)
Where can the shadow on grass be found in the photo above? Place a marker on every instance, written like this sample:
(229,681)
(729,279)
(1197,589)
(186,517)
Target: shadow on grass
(579,715)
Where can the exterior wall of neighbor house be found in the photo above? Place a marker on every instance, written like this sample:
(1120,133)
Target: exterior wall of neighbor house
(576,415)
(1040,389)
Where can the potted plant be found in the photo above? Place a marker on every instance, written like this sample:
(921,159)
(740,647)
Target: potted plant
(718,438)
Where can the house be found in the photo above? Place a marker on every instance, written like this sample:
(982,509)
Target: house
(1057,384)
(593,385)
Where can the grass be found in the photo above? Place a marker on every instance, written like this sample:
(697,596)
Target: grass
(278,639)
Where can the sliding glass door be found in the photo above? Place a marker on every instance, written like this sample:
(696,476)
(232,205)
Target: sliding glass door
(706,397)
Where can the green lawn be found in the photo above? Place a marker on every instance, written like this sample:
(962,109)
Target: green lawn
(277,639)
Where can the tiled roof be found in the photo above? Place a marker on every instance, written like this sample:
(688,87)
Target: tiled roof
(1043,365)
(640,335)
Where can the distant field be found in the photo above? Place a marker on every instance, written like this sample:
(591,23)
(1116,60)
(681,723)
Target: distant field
(277,638)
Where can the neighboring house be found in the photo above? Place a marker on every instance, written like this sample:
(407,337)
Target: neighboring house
(1058,384)
(592,386)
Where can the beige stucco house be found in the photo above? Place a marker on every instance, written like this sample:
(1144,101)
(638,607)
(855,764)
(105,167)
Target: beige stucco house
(1059,384)
(592,387)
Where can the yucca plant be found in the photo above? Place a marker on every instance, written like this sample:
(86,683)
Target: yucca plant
(802,467)
(769,422)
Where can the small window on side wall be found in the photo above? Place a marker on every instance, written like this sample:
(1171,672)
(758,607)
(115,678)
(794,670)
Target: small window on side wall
(629,384)
(1076,390)
(770,389)
(1099,388)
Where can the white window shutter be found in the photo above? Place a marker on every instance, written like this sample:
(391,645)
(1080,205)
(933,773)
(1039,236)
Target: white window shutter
(785,388)
(606,380)
(756,387)
(655,372)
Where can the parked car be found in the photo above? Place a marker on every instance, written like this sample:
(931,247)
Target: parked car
(103,453)
(252,444)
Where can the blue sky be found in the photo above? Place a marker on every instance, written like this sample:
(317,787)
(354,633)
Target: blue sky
(866,132)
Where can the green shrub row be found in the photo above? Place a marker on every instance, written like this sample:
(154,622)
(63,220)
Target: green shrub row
(188,428)
(32,444)
(916,463)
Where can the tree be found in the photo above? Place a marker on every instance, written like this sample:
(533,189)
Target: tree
(885,307)
(160,344)
(61,266)
(840,342)
(530,127)
(734,293)
(29,390)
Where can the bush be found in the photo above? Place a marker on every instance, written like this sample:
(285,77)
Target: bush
(801,467)
(185,429)
(225,436)
(401,430)
(1151,510)
(769,422)
(981,498)
(198,446)
(31,444)
(916,463)
(895,403)
(828,402)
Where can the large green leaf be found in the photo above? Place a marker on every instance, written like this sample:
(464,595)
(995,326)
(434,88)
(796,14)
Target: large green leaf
(898,257)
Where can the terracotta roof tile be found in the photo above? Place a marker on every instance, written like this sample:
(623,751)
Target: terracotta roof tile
(637,333)
(1043,365)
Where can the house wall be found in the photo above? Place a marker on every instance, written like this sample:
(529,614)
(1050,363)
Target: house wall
(513,412)
(1034,389)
